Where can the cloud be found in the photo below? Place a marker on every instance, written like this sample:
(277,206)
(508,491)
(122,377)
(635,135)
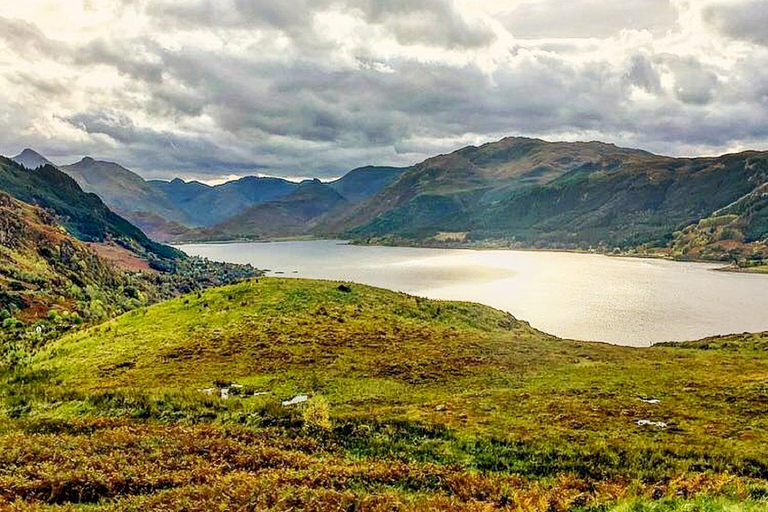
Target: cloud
(204,88)
(587,18)
(25,38)
(643,74)
(740,19)
(431,22)
(694,83)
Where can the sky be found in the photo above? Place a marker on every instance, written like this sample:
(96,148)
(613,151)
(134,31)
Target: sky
(216,89)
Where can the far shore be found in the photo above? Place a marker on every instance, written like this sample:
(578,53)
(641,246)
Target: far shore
(726,267)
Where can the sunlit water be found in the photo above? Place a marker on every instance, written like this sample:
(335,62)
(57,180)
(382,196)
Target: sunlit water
(625,301)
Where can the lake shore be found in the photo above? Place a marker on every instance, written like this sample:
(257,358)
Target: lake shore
(500,246)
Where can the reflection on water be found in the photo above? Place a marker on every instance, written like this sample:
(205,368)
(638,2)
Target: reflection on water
(589,297)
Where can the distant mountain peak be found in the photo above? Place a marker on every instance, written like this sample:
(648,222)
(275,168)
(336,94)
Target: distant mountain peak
(31,159)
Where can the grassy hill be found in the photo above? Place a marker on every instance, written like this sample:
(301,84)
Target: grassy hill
(412,405)
(84,215)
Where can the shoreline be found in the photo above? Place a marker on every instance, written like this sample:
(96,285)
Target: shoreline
(726,267)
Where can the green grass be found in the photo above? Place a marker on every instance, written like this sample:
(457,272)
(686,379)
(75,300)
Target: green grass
(433,406)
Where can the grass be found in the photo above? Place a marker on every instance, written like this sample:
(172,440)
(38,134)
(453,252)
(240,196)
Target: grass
(433,406)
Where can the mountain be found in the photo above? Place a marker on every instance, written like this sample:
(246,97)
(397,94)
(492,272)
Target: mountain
(360,184)
(128,195)
(290,215)
(84,215)
(206,205)
(31,159)
(556,194)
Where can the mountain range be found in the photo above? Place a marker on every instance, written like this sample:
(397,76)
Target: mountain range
(516,192)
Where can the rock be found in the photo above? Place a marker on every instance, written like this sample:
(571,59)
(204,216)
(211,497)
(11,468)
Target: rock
(298,399)
(649,423)
(441,408)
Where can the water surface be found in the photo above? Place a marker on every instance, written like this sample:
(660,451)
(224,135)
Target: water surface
(626,301)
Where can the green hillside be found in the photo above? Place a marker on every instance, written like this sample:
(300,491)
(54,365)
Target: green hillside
(84,215)
(51,282)
(532,193)
(412,404)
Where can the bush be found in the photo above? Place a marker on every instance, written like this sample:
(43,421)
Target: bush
(317,414)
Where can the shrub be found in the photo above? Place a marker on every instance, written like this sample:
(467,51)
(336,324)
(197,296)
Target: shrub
(317,413)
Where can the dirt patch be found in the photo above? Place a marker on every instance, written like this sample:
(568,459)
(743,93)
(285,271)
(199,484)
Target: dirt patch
(119,256)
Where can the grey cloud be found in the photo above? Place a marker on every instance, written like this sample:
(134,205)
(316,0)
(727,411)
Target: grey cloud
(237,13)
(747,20)
(26,39)
(643,74)
(694,83)
(588,18)
(133,58)
(206,110)
(431,22)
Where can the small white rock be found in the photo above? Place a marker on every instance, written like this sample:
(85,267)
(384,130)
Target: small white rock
(296,400)
(649,423)
(224,393)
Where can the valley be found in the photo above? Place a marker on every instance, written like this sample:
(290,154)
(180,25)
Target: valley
(137,377)
(513,193)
